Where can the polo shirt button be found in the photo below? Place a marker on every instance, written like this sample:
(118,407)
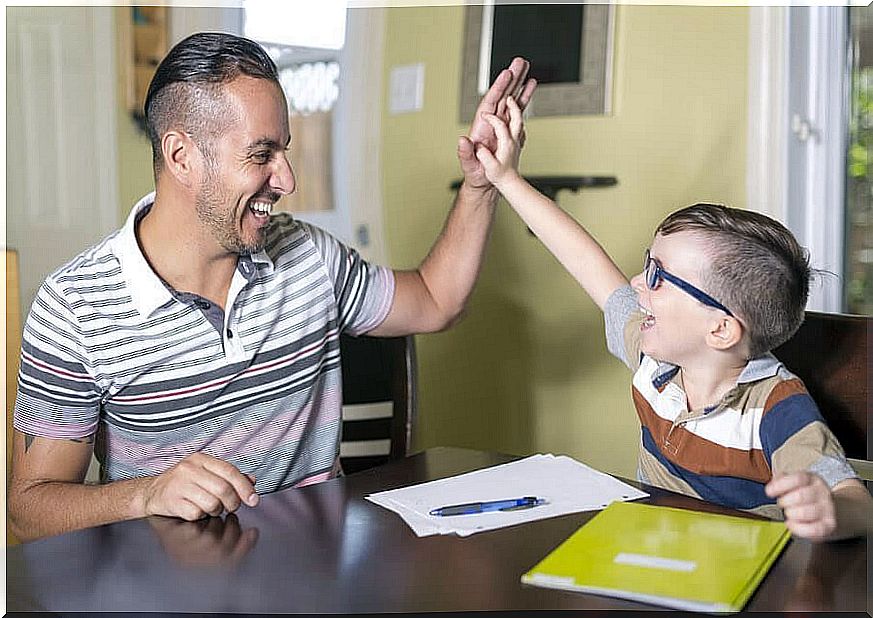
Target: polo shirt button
(229,334)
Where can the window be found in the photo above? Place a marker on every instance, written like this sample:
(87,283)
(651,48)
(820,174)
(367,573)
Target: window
(810,122)
(859,177)
(305,39)
(319,24)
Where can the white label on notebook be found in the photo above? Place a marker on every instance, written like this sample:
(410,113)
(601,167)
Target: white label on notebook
(553,580)
(655,562)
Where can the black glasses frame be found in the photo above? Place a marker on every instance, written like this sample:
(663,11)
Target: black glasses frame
(655,273)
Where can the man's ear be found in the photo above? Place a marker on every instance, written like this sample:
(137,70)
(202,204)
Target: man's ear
(725,333)
(181,157)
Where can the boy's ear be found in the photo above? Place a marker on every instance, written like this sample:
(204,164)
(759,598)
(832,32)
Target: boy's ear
(725,333)
(181,156)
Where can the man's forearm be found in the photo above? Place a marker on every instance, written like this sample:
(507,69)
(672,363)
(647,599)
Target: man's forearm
(452,266)
(53,507)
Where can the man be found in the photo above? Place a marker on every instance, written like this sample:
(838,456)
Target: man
(196,349)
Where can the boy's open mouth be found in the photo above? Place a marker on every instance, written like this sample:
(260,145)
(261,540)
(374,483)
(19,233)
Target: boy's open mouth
(648,319)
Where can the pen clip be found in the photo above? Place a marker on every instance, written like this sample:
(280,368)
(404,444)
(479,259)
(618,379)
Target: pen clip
(522,507)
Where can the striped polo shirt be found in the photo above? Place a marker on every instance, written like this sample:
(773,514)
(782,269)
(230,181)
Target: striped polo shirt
(767,425)
(109,348)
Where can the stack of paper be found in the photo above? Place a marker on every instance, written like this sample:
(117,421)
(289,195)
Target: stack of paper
(666,556)
(564,484)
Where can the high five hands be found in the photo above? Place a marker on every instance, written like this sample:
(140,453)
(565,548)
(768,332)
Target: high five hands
(512,82)
(501,164)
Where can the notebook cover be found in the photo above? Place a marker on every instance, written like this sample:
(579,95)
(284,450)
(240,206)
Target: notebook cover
(665,556)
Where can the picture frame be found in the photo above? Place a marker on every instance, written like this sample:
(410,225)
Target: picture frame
(589,93)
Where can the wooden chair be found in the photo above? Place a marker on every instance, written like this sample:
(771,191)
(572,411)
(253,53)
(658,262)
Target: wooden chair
(13,349)
(830,353)
(379,401)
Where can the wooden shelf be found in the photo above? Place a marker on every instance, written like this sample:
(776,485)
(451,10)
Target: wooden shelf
(145,36)
(550,185)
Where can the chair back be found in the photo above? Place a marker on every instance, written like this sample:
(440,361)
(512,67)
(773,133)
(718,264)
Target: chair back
(379,402)
(830,353)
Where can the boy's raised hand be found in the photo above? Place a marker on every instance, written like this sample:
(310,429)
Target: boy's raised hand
(808,504)
(511,82)
(502,165)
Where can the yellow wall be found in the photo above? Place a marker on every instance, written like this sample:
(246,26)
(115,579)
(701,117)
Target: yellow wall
(527,370)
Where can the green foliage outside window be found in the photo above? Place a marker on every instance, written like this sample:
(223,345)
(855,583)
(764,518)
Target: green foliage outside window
(859,196)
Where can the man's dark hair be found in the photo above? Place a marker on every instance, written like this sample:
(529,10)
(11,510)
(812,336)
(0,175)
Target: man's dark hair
(185,92)
(756,268)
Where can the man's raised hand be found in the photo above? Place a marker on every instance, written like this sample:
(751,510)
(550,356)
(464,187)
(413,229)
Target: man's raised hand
(511,82)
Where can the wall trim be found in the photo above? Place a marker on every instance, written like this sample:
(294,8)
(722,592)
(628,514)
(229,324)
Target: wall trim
(106,108)
(826,154)
(766,160)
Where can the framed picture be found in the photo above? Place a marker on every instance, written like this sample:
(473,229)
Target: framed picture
(569,47)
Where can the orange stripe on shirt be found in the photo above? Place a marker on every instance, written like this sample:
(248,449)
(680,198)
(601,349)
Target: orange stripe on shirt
(699,455)
(782,391)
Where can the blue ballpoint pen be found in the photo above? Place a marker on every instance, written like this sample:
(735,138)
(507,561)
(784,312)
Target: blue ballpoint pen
(488,506)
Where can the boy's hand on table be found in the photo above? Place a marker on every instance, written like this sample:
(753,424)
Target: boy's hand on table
(808,504)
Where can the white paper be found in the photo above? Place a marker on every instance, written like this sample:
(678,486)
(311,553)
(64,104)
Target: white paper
(566,485)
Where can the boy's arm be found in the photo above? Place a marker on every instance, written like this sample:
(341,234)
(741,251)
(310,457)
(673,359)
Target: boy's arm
(815,512)
(433,296)
(568,241)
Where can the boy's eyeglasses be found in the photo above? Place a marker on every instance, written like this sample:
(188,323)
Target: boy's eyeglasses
(655,274)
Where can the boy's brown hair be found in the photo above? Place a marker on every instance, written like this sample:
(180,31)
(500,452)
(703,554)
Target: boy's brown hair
(756,268)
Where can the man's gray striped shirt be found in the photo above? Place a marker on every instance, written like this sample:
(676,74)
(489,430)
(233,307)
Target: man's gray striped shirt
(109,348)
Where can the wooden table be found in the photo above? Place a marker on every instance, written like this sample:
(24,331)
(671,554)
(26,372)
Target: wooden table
(326,549)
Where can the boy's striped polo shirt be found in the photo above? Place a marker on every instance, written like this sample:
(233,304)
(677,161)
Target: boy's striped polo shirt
(767,425)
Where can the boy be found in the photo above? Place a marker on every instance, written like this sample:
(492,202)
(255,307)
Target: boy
(722,419)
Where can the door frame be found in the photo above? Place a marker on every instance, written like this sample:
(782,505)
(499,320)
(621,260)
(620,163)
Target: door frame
(103,46)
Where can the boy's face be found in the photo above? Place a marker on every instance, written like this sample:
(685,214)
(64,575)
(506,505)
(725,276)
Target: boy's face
(676,323)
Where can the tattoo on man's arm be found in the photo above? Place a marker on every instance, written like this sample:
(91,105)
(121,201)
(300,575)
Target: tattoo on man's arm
(29,438)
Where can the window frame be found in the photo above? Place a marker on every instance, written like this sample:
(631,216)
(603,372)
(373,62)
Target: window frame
(797,133)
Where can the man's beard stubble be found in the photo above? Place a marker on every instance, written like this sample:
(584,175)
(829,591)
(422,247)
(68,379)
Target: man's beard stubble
(221,220)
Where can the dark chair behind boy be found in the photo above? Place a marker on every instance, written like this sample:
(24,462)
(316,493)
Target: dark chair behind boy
(830,353)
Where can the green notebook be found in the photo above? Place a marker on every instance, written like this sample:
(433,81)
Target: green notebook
(665,556)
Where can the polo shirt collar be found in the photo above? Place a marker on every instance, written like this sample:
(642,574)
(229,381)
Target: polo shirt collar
(147,291)
(259,258)
(764,366)
(759,368)
(664,372)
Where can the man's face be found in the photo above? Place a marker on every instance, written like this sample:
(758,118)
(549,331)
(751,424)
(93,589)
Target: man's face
(244,169)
